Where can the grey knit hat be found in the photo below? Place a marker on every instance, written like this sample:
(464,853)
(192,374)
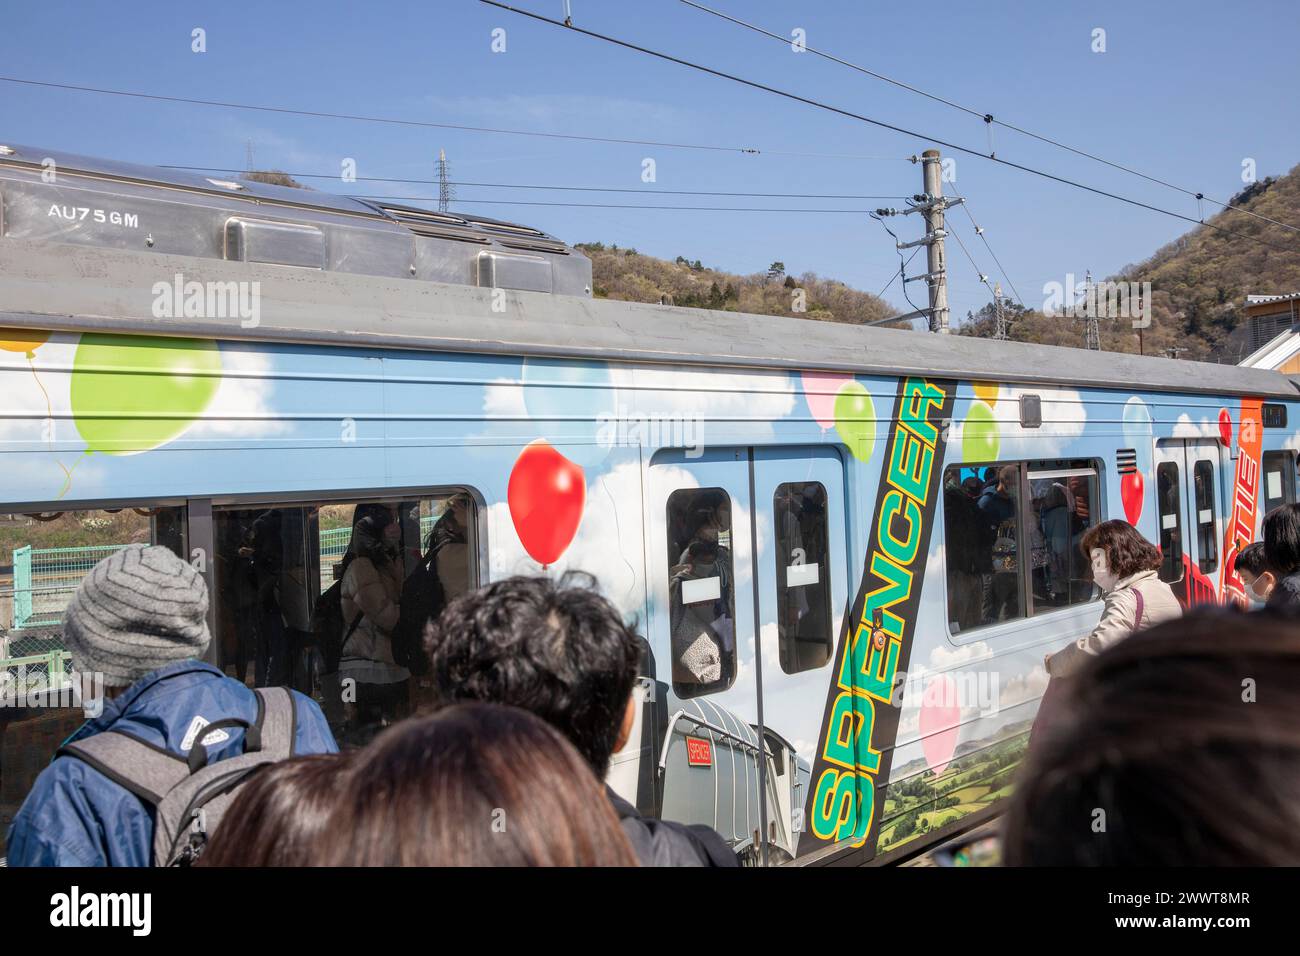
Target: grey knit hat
(137,610)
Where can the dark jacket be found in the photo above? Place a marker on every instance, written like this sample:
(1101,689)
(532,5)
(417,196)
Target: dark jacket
(661,843)
(1286,594)
(76,816)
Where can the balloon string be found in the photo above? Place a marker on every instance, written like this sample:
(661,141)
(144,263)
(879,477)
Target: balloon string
(67,473)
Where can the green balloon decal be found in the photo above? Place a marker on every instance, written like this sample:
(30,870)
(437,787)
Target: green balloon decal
(855,419)
(979,434)
(148,388)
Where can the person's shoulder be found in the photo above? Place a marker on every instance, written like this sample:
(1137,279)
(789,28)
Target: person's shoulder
(666,843)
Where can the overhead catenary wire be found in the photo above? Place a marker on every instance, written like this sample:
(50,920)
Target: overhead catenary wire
(541,186)
(754,84)
(988,118)
(429,124)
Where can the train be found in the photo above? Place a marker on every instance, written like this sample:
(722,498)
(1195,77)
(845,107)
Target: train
(847,549)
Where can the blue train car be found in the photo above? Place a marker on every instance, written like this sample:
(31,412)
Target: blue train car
(844,652)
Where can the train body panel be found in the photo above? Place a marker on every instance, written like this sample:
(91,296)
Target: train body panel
(848,559)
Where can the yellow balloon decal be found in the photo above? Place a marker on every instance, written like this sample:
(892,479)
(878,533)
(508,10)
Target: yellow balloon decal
(23,341)
(987,392)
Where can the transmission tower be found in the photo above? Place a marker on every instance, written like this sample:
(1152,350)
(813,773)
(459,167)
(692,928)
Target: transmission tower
(445,191)
(1092,330)
(1001,328)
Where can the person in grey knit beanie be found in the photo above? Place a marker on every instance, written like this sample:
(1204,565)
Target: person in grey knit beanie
(138,610)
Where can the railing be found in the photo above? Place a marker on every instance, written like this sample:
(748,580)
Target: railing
(33,673)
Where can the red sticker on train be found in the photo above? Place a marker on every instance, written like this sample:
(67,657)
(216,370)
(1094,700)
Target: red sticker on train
(699,752)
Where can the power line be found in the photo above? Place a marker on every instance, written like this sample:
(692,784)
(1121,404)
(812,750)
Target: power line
(754,84)
(979,231)
(988,118)
(397,121)
(595,189)
(605,205)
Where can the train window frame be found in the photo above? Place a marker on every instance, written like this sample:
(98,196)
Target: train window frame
(1206,566)
(1090,468)
(1287,459)
(958,635)
(1177,515)
(787,644)
(728,660)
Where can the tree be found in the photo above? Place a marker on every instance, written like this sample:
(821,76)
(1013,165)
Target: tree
(776,270)
(272,177)
(790,283)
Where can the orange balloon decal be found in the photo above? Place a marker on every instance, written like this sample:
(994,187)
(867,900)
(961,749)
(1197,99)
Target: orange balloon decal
(546,494)
(987,392)
(24,341)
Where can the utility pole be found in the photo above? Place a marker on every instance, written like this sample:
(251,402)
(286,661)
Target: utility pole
(445,191)
(248,156)
(931,205)
(938,280)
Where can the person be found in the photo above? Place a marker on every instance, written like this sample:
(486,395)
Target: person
(559,650)
(1155,734)
(371,592)
(1001,586)
(1252,567)
(1282,556)
(139,619)
(474,784)
(449,543)
(1124,566)
(968,558)
(279,816)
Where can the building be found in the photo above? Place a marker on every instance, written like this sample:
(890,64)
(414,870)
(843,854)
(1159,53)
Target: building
(1273,332)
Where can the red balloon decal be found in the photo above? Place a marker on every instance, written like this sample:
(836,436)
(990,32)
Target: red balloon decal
(1130,490)
(1225,427)
(546,494)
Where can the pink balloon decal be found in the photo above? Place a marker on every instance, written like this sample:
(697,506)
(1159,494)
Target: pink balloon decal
(821,390)
(940,722)
(1225,427)
(546,494)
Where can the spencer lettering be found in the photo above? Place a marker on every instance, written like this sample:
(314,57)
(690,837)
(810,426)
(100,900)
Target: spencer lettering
(848,744)
(910,463)
(895,508)
(919,398)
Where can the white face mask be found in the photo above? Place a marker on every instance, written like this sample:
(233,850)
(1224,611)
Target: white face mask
(1255,595)
(1101,570)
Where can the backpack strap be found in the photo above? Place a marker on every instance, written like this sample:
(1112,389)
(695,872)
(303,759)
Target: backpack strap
(1141,606)
(278,721)
(145,770)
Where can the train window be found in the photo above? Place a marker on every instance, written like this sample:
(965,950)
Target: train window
(803,576)
(701,591)
(43,558)
(1168,497)
(273,564)
(982,541)
(1279,479)
(1064,503)
(1207,548)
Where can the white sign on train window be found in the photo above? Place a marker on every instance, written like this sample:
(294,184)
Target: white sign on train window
(701,589)
(1275,484)
(801,575)
(1169,521)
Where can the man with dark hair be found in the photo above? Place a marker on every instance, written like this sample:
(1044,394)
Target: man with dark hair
(1282,556)
(561,651)
(1252,567)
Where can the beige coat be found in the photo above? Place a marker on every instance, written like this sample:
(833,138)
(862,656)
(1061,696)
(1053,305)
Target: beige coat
(375,591)
(1118,619)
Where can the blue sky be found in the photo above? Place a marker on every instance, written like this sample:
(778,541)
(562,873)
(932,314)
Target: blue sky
(1184,91)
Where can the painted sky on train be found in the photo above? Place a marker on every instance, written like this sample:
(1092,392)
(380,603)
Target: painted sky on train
(1184,91)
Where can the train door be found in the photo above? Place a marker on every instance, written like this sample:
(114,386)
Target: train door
(803,589)
(724,529)
(1190,511)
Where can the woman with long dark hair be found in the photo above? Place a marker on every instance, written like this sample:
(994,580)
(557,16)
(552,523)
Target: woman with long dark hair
(474,785)
(279,816)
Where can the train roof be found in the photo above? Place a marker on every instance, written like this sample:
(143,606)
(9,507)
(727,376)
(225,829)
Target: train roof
(321,281)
